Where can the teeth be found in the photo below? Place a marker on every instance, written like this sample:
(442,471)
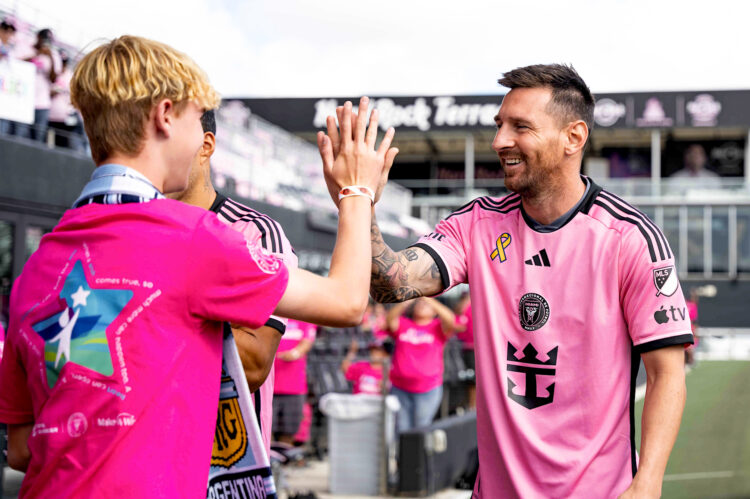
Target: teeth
(512,161)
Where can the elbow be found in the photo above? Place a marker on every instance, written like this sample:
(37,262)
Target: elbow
(18,459)
(351,312)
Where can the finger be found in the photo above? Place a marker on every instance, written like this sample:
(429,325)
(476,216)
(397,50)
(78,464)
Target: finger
(390,156)
(386,143)
(359,131)
(372,130)
(326,151)
(345,124)
(333,134)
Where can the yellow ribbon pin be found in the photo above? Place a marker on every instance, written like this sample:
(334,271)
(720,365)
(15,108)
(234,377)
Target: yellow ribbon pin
(502,242)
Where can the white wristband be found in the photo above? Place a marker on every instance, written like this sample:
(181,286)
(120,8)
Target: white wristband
(357,190)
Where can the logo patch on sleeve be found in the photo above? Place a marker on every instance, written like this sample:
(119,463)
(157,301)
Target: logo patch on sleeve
(265,261)
(665,280)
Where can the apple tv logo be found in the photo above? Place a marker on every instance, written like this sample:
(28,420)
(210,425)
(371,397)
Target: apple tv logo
(661,316)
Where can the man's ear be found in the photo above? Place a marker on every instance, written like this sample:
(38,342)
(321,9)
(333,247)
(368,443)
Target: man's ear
(163,114)
(209,145)
(577,132)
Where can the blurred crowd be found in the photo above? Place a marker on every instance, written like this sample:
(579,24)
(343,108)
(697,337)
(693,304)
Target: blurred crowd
(52,108)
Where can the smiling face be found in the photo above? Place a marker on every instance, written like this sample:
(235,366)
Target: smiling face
(529,141)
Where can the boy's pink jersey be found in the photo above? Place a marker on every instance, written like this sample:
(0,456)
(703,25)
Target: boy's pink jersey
(418,356)
(266,232)
(561,318)
(115,342)
(291,376)
(365,378)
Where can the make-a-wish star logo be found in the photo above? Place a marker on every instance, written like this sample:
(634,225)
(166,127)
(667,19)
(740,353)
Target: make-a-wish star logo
(78,332)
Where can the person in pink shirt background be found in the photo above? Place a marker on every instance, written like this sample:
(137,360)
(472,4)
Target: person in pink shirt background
(465,333)
(290,379)
(48,66)
(366,375)
(417,372)
(692,310)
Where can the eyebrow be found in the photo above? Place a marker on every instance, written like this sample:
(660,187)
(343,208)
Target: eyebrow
(512,119)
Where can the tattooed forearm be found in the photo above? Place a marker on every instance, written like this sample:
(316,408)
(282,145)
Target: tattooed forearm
(400,276)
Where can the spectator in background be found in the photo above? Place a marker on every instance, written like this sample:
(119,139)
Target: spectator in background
(290,382)
(374,320)
(48,67)
(696,167)
(692,309)
(62,114)
(366,375)
(417,373)
(465,329)
(7,36)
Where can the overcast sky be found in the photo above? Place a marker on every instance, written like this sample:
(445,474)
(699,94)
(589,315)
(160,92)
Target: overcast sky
(279,48)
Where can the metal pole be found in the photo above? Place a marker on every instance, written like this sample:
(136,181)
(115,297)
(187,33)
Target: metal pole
(733,241)
(655,162)
(469,164)
(683,231)
(386,447)
(707,242)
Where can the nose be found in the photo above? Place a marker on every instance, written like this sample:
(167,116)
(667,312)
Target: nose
(504,139)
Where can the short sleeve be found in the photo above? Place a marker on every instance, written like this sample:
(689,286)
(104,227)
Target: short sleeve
(651,296)
(235,280)
(15,398)
(353,372)
(446,245)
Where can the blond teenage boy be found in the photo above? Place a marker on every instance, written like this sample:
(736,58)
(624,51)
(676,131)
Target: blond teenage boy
(111,369)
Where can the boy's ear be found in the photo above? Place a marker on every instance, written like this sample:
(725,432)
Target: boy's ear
(163,113)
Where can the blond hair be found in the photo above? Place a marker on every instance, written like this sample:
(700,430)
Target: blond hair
(116,85)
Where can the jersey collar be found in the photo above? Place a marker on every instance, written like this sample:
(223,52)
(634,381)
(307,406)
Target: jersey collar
(583,205)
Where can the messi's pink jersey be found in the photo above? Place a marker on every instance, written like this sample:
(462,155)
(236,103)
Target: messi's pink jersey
(418,356)
(561,317)
(114,347)
(265,231)
(291,375)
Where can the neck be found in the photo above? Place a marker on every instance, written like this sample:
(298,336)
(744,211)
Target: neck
(558,199)
(203,197)
(143,165)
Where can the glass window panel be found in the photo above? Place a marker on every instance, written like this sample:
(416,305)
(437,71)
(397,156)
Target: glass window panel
(720,239)
(6,268)
(743,238)
(695,239)
(33,237)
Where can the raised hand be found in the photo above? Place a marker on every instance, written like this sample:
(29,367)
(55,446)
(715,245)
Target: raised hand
(349,154)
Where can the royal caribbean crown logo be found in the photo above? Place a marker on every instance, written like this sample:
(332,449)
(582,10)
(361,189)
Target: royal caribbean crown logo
(532,368)
(77,333)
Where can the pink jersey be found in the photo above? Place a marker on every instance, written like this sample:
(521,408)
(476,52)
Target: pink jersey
(464,319)
(114,347)
(291,376)
(562,317)
(264,230)
(418,356)
(365,378)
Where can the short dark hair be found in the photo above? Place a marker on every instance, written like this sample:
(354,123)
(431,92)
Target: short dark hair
(208,121)
(571,98)
(7,25)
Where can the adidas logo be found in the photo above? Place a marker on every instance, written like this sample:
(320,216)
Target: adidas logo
(539,260)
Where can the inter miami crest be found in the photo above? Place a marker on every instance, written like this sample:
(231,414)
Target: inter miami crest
(77,331)
(533,311)
(230,440)
(532,367)
(665,280)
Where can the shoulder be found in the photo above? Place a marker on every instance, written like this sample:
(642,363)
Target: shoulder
(254,224)
(630,223)
(487,206)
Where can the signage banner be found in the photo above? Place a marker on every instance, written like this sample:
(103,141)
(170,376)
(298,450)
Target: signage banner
(466,112)
(17,80)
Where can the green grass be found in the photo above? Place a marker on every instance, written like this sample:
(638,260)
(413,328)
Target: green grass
(714,435)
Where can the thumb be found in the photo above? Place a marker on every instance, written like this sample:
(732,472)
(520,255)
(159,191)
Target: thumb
(390,156)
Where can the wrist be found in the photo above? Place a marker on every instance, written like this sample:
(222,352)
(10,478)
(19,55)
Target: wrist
(357,191)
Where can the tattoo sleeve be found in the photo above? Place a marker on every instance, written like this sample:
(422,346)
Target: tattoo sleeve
(403,275)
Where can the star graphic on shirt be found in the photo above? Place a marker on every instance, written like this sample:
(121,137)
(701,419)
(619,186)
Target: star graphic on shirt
(77,333)
(79,297)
